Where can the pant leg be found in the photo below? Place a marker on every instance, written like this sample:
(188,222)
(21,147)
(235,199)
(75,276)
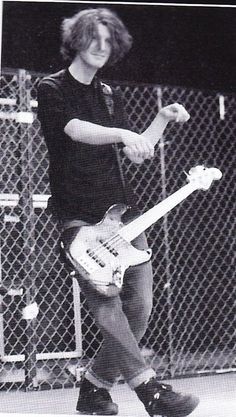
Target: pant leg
(137,294)
(131,312)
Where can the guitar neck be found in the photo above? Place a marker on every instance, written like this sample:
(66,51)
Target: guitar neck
(143,222)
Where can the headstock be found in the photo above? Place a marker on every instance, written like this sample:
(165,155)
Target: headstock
(201,178)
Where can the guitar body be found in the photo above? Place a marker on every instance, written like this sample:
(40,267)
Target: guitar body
(101,255)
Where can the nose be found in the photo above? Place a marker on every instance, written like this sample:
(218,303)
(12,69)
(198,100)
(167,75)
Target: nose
(101,44)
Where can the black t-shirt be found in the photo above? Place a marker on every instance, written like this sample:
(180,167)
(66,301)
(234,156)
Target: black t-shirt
(85,179)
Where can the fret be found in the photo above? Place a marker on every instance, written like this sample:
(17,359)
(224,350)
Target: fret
(140,224)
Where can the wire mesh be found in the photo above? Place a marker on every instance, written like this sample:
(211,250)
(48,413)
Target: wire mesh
(191,329)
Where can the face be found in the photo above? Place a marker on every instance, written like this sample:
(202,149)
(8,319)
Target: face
(99,50)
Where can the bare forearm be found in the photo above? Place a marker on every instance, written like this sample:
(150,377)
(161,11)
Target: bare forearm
(173,112)
(91,133)
(156,129)
(95,134)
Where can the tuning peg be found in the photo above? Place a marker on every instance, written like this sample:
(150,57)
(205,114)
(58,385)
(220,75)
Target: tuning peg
(201,177)
(216,173)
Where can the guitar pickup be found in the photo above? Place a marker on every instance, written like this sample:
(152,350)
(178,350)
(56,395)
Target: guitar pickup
(95,258)
(110,248)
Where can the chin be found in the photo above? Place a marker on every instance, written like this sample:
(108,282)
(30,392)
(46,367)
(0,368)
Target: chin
(99,63)
(97,67)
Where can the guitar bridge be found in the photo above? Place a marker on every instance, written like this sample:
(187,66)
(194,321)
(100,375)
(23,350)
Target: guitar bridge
(93,256)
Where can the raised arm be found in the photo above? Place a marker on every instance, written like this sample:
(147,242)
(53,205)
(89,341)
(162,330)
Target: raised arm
(173,112)
(95,134)
(53,116)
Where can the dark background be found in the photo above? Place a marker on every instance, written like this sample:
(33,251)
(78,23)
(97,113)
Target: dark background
(189,46)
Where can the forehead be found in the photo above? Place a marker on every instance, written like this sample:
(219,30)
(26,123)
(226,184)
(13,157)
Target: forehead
(103,31)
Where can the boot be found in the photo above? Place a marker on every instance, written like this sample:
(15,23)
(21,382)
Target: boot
(160,400)
(95,401)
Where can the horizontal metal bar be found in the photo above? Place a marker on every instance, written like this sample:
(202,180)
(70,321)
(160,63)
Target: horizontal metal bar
(11,200)
(42,356)
(7,101)
(20,117)
(13,102)
(216,371)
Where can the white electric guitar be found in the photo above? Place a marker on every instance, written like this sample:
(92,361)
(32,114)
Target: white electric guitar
(101,253)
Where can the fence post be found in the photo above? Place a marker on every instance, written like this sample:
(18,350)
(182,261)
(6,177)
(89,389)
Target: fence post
(221,107)
(27,222)
(167,285)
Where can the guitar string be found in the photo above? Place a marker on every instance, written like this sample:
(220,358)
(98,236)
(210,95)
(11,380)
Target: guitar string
(115,241)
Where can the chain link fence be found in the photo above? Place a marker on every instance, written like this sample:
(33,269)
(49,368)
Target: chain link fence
(191,329)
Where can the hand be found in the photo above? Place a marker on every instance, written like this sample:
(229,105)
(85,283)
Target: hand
(130,154)
(175,112)
(137,147)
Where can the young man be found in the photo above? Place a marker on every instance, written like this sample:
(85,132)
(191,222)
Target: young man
(82,121)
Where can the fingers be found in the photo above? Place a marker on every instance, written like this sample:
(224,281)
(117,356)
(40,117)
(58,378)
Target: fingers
(131,155)
(175,112)
(182,115)
(139,152)
(143,148)
(140,147)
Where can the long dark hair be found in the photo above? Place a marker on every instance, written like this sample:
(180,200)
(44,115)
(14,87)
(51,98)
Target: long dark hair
(78,31)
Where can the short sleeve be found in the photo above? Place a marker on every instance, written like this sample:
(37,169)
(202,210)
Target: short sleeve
(51,108)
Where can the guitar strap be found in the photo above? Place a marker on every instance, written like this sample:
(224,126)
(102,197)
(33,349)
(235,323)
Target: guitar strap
(109,101)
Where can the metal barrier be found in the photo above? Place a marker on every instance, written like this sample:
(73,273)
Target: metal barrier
(191,329)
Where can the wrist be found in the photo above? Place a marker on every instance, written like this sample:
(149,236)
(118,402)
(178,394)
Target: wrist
(117,134)
(125,136)
(163,118)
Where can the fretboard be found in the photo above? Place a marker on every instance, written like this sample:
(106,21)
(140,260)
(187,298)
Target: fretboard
(143,222)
